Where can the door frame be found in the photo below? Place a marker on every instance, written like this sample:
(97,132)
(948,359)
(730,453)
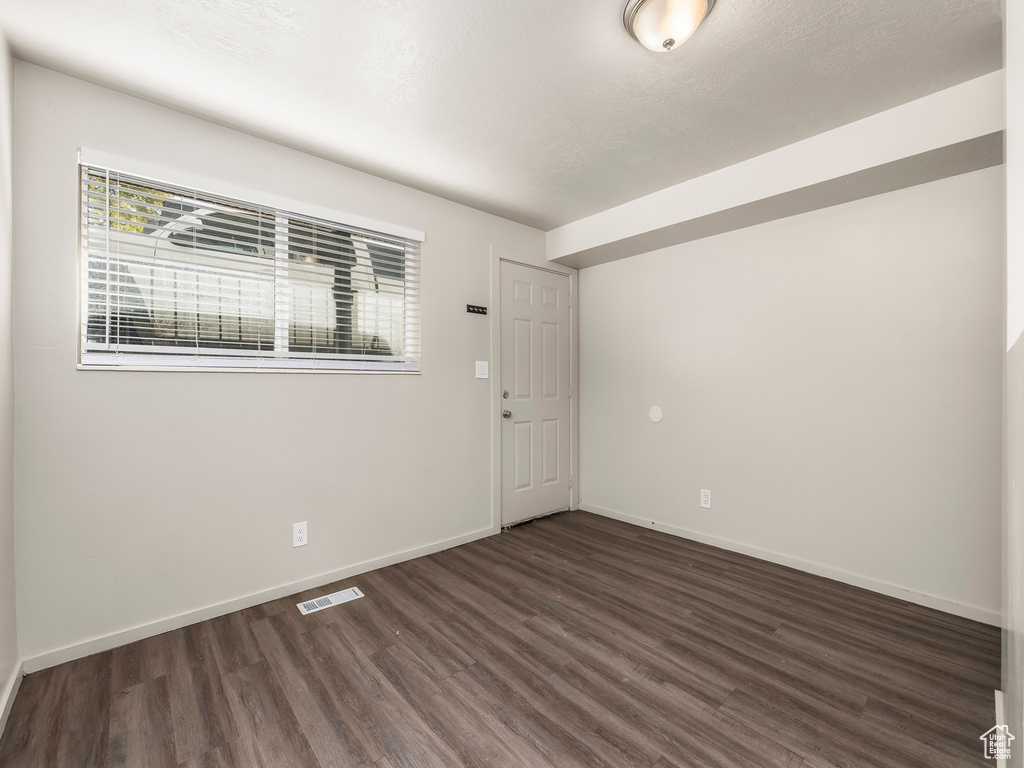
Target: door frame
(498,255)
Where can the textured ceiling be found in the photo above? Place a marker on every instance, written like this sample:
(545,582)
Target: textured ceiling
(540,111)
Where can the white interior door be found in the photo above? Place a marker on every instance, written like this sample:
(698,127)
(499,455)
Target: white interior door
(535,392)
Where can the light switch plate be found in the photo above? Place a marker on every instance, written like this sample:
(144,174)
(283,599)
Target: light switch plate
(481,369)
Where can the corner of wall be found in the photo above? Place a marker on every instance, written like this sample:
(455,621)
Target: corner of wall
(10,664)
(1013,382)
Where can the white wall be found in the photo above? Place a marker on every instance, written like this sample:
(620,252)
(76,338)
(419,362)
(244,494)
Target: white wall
(8,632)
(140,496)
(1013,528)
(833,378)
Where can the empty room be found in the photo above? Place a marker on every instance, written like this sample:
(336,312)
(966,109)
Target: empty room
(414,384)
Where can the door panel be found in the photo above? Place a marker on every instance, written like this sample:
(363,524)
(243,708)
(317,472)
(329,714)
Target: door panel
(522,363)
(550,461)
(550,359)
(535,373)
(522,472)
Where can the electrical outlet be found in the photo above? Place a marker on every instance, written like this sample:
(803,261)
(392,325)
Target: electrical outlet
(300,536)
(705,498)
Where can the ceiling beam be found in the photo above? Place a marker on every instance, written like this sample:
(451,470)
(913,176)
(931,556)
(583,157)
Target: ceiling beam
(954,131)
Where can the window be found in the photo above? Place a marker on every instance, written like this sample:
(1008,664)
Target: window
(173,277)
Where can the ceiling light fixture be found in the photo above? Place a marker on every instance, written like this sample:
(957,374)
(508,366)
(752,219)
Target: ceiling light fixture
(661,25)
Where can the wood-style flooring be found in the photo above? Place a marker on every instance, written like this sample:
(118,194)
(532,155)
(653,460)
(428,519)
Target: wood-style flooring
(573,641)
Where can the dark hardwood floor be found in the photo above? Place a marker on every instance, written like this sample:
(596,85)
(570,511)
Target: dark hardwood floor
(574,641)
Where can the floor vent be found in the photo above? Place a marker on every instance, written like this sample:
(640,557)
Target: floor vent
(312,606)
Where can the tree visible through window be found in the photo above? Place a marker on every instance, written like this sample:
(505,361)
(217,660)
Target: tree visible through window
(175,274)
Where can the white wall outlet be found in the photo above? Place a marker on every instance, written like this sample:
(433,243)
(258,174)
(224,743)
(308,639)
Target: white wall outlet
(481,369)
(300,535)
(705,498)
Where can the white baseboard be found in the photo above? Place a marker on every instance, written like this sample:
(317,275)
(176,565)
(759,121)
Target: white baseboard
(974,612)
(116,639)
(10,690)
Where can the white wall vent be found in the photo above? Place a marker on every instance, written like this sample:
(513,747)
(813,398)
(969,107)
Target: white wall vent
(312,606)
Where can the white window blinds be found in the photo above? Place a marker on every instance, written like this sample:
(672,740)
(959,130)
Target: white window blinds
(174,277)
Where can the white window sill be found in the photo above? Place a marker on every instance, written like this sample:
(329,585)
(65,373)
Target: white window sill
(128,362)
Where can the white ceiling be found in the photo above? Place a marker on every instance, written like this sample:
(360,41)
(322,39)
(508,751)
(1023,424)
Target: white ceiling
(540,111)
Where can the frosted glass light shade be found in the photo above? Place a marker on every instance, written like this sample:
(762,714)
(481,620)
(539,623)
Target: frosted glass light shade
(661,25)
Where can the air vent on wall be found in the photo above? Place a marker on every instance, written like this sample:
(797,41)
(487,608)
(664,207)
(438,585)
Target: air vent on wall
(312,606)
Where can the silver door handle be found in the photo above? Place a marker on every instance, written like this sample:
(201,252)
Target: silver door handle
(506,414)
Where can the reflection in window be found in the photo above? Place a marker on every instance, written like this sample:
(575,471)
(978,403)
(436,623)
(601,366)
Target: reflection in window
(169,268)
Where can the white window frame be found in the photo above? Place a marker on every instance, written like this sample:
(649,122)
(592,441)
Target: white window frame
(181,359)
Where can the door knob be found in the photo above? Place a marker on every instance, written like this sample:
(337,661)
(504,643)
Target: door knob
(506,414)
